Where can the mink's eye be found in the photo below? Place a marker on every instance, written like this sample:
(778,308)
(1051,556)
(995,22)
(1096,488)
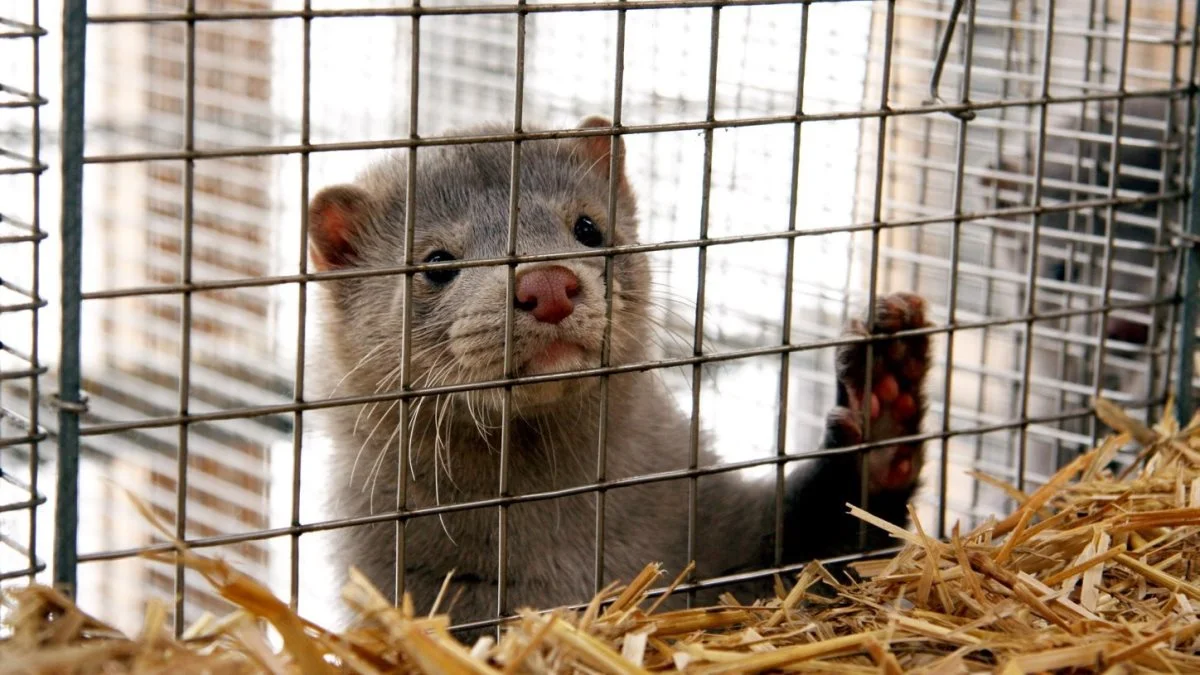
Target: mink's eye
(587,232)
(440,277)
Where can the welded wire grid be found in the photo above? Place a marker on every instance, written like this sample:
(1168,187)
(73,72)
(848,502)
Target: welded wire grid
(1080,56)
(21,299)
(210,124)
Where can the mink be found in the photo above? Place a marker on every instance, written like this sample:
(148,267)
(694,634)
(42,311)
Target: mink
(458,316)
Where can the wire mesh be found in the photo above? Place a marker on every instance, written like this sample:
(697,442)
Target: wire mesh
(21,295)
(793,161)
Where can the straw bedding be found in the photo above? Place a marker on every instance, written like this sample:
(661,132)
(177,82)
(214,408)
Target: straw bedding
(1092,573)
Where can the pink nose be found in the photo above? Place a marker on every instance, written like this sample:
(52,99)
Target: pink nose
(547,293)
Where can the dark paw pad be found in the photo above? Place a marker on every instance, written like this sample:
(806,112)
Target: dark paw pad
(895,400)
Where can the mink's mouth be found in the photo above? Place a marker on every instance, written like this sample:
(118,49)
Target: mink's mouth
(557,356)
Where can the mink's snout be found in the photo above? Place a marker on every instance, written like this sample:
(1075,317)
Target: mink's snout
(547,293)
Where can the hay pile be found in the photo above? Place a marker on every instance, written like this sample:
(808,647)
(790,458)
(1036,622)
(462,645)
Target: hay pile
(1093,573)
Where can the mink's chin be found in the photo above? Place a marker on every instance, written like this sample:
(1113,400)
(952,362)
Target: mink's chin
(556,356)
(559,356)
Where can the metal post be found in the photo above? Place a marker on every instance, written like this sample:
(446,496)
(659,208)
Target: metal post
(66,512)
(1190,289)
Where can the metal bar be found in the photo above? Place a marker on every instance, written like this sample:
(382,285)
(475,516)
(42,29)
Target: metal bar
(506,407)
(23,374)
(23,239)
(701,279)
(533,8)
(1075,217)
(1190,163)
(616,164)
(66,506)
(773,350)
(1160,317)
(22,307)
(27,572)
(1185,404)
(254,282)
(1035,224)
(27,505)
(990,285)
(537,8)
(34,327)
(955,243)
(185,318)
(404,445)
(30,97)
(873,271)
(1165,320)
(1110,225)
(706,125)
(939,64)
(788,290)
(21,29)
(614,484)
(301,308)
(692,587)
(22,440)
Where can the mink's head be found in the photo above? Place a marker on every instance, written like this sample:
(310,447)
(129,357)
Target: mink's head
(462,199)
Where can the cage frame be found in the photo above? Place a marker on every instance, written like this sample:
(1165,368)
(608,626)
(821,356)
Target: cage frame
(71,404)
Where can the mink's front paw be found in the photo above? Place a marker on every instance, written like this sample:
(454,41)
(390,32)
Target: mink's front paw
(896,400)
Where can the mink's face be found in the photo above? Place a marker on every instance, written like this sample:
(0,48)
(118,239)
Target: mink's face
(458,325)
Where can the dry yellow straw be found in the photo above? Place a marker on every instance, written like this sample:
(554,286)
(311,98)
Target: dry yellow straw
(1091,573)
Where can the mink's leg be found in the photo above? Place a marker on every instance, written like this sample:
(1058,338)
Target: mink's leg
(817,521)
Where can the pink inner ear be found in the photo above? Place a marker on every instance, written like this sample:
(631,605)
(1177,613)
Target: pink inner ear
(330,223)
(598,150)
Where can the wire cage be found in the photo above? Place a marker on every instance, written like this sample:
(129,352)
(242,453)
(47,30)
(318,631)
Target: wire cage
(21,293)
(793,162)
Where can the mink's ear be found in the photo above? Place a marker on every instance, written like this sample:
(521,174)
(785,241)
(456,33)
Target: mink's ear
(597,150)
(336,218)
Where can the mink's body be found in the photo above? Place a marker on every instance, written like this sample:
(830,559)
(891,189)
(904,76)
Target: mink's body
(458,327)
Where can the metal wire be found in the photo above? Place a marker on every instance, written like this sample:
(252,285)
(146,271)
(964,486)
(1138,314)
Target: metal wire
(789,278)
(410,210)
(1013,71)
(66,508)
(1190,311)
(339,401)
(1035,240)
(1114,167)
(302,308)
(877,219)
(955,235)
(615,168)
(659,128)
(20,498)
(645,479)
(506,409)
(185,325)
